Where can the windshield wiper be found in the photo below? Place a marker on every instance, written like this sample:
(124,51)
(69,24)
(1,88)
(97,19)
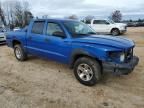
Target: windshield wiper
(80,34)
(85,34)
(91,33)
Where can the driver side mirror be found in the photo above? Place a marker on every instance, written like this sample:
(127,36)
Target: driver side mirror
(59,34)
(107,23)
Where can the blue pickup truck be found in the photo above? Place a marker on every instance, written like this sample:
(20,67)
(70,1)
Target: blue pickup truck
(76,44)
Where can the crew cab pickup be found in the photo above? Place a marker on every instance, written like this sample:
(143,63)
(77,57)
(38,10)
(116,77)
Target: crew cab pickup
(76,44)
(106,26)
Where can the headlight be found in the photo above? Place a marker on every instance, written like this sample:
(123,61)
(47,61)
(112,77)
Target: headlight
(117,56)
(122,57)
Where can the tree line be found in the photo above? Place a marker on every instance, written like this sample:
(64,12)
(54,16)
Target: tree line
(116,16)
(18,14)
(15,13)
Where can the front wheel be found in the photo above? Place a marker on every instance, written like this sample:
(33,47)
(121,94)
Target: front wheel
(19,53)
(87,71)
(115,32)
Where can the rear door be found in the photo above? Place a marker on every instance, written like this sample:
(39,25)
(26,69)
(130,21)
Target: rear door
(35,38)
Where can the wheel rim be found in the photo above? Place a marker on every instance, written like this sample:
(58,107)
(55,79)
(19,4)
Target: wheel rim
(18,53)
(115,32)
(85,72)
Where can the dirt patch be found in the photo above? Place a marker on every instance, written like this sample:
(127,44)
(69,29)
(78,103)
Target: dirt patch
(137,34)
(39,83)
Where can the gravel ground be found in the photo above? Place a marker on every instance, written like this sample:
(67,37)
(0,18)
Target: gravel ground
(39,83)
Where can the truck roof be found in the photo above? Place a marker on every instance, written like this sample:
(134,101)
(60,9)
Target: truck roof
(54,19)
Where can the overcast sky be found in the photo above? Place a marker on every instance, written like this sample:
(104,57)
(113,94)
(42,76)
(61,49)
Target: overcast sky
(98,8)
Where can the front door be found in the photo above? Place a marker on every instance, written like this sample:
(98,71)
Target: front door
(57,42)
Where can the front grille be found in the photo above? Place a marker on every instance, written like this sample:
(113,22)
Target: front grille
(128,55)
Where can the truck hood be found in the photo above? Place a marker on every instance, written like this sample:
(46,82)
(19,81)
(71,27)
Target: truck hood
(117,42)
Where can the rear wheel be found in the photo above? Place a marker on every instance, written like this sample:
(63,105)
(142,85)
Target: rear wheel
(115,32)
(19,53)
(87,71)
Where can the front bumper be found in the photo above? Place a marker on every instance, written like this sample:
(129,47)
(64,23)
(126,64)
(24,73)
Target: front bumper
(120,69)
(123,31)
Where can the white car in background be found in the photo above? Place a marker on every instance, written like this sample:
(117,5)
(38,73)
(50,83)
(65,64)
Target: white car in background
(106,26)
(16,29)
(2,36)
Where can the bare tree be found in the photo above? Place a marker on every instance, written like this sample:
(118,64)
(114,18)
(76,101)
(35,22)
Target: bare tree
(116,16)
(2,15)
(17,13)
(10,13)
(72,17)
(27,14)
(89,17)
(27,17)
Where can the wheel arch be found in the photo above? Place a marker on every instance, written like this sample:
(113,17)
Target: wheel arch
(80,53)
(114,29)
(15,42)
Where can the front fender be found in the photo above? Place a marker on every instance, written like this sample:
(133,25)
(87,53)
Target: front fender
(95,51)
(78,53)
(96,54)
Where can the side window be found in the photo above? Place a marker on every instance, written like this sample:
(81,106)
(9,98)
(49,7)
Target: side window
(96,22)
(88,21)
(104,22)
(38,27)
(54,29)
(100,22)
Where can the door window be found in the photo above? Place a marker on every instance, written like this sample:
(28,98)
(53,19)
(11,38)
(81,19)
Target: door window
(38,27)
(88,21)
(100,22)
(54,29)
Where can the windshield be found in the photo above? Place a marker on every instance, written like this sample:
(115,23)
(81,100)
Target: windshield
(78,28)
(111,21)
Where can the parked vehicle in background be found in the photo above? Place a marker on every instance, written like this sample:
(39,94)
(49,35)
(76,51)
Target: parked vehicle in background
(76,44)
(135,24)
(16,29)
(2,36)
(106,26)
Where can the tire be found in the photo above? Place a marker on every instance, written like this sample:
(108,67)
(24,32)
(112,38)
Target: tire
(85,67)
(115,32)
(19,53)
